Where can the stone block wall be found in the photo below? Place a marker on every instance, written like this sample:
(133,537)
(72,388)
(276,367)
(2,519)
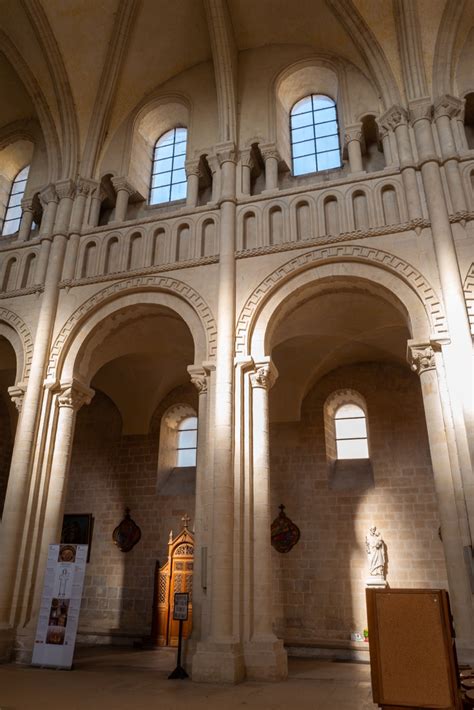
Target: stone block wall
(108,473)
(320,584)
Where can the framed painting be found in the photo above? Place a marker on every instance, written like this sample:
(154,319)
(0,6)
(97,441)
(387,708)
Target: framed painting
(77,530)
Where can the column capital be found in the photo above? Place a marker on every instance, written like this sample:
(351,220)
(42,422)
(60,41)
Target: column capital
(421,357)
(17,393)
(193,167)
(353,133)
(421,110)
(74,394)
(65,189)
(246,158)
(264,375)
(394,117)
(199,377)
(449,106)
(48,194)
(226,153)
(121,183)
(269,150)
(27,204)
(85,186)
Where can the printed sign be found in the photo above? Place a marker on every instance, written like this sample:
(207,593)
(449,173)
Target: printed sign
(180,610)
(60,606)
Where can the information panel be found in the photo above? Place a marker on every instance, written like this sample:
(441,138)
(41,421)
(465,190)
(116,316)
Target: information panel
(60,606)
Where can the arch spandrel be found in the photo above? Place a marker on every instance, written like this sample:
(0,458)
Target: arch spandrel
(385,271)
(147,290)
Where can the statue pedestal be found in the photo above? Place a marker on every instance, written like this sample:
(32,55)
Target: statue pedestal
(376,580)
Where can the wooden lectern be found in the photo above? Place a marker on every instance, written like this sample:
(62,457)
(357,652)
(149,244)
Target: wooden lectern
(412,650)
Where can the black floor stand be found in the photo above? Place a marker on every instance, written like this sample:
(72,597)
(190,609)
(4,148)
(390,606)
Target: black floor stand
(179,671)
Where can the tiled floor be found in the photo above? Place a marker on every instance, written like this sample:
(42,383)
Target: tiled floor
(137,680)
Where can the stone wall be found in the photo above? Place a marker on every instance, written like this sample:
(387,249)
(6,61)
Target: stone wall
(108,473)
(319,585)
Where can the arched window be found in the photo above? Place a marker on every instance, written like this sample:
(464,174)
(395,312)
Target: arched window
(314,135)
(187,442)
(168,176)
(351,432)
(11,223)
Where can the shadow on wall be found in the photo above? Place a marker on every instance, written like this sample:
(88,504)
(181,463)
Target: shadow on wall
(320,584)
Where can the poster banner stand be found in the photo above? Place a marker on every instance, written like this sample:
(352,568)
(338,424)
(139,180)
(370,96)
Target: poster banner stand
(60,606)
(180,613)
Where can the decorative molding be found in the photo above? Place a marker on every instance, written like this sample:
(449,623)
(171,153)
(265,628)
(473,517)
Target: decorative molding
(469,296)
(350,252)
(130,285)
(199,378)
(74,395)
(449,106)
(85,186)
(265,375)
(20,327)
(421,358)
(36,288)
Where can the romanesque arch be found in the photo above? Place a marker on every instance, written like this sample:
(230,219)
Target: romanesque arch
(15,330)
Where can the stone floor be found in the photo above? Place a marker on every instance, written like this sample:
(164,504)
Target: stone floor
(116,679)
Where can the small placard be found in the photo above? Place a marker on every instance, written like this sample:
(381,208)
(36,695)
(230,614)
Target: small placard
(180,610)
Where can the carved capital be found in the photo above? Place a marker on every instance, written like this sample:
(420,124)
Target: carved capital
(98,193)
(48,194)
(449,106)
(27,204)
(199,377)
(265,376)
(353,133)
(74,395)
(17,393)
(226,153)
(65,189)
(394,117)
(246,158)
(421,358)
(420,110)
(268,151)
(121,183)
(84,186)
(193,167)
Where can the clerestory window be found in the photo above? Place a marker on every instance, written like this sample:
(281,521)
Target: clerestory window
(351,432)
(187,442)
(11,222)
(314,135)
(168,175)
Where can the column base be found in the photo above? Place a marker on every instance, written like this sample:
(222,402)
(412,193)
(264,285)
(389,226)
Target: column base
(266,660)
(23,646)
(218,662)
(7,638)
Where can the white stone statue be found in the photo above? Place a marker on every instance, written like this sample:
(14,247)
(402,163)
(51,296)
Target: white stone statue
(375,547)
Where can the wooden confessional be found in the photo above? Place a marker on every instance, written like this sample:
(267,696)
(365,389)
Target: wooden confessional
(175,576)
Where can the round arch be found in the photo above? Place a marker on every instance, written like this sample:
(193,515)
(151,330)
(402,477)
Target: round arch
(15,330)
(141,291)
(295,280)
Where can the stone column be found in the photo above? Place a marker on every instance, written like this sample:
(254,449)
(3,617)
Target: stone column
(26,220)
(353,141)
(83,187)
(422,359)
(458,355)
(49,202)
(220,658)
(98,196)
(246,162)
(17,516)
(396,119)
(272,158)
(200,379)
(193,173)
(387,148)
(70,399)
(445,109)
(265,656)
(124,190)
(213,163)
